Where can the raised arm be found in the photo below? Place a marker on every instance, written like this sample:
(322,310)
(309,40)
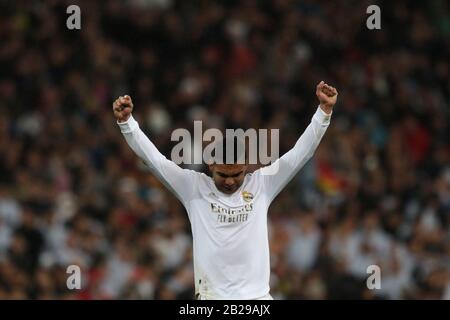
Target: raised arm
(179,181)
(278,174)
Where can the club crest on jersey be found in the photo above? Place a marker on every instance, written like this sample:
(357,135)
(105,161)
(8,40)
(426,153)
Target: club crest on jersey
(247,196)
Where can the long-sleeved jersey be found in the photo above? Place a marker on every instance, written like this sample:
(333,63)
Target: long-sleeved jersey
(230,235)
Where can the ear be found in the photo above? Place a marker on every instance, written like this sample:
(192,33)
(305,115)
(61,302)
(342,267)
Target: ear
(211,167)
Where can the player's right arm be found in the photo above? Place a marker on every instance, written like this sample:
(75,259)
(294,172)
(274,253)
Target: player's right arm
(176,179)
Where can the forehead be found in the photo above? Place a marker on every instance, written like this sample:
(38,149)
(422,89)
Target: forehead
(229,168)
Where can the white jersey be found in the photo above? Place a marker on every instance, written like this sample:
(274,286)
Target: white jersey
(230,236)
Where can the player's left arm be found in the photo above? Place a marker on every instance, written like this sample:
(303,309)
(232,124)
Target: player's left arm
(279,173)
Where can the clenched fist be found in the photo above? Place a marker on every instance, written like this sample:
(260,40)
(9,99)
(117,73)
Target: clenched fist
(122,107)
(327,96)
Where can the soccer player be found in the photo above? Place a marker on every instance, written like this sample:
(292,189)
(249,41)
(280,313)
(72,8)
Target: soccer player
(228,211)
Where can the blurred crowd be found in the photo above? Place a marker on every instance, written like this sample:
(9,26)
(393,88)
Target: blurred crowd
(377,191)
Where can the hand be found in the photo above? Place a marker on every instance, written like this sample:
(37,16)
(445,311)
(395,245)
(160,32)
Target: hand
(122,107)
(327,96)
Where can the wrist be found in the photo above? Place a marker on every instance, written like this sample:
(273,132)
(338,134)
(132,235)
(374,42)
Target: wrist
(123,120)
(326,108)
(129,125)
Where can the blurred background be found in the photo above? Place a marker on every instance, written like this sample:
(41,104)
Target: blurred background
(377,190)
